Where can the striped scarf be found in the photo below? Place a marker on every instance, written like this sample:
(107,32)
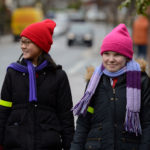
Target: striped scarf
(133,94)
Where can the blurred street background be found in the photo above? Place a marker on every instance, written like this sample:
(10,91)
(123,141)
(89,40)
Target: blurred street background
(88,20)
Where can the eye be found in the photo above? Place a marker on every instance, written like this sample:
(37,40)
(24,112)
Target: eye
(28,42)
(105,53)
(117,54)
(25,42)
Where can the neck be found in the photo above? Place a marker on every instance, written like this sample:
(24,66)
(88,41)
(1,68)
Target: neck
(35,61)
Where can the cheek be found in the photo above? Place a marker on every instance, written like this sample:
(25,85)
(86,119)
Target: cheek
(32,51)
(104,64)
(103,61)
(122,63)
(104,58)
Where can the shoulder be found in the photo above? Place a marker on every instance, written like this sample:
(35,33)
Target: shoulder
(145,78)
(10,70)
(60,73)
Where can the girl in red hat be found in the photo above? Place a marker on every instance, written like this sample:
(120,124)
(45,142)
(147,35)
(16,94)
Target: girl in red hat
(114,113)
(36,98)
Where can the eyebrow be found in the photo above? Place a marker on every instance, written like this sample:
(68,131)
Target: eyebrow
(25,40)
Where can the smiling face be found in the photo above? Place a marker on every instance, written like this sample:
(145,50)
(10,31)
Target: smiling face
(113,61)
(30,50)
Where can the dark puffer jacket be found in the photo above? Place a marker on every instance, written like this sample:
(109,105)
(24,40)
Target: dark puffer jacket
(47,124)
(104,129)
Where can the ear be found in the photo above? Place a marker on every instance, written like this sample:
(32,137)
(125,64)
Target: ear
(89,72)
(142,64)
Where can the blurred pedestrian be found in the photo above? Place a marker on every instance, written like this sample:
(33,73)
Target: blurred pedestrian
(36,98)
(114,113)
(140,35)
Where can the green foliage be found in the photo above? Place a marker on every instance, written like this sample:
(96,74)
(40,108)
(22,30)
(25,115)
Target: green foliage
(126,3)
(75,5)
(141,5)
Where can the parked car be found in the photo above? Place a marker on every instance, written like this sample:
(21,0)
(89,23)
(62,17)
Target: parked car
(80,34)
(62,24)
(77,16)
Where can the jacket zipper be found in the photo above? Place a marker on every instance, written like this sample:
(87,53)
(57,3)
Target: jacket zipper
(115,124)
(35,119)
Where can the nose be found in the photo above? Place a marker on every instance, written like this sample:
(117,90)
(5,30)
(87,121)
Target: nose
(23,45)
(111,58)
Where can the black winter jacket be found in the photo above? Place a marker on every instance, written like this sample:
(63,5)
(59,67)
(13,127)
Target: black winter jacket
(47,124)
(104,129)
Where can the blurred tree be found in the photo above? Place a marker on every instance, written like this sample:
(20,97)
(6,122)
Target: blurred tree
(114,11)
(110,7)
(46,5)
(75,4)
(4,18)
(143,8)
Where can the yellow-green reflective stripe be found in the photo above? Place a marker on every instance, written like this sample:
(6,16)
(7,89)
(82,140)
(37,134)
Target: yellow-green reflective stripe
(5,103)
(90,110)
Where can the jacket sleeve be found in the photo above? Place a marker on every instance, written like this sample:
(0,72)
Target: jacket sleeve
(64,105)
(5,105)
(82,129)
(145,113)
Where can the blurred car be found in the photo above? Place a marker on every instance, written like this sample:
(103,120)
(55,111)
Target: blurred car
(50,14)
(80,34)
(76,17)
(62,24)
(22,17)
(94,14)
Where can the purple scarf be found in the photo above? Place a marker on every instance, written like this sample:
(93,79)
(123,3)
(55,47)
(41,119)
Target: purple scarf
(32,79)
(133,71)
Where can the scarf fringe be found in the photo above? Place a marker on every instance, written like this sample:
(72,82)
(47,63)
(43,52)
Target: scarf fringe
(81,106)
(132,122)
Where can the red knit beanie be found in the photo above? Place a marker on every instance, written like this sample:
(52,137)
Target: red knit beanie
(118,40)
(40,33)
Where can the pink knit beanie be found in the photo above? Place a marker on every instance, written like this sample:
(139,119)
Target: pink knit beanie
(118,40)
(40,33)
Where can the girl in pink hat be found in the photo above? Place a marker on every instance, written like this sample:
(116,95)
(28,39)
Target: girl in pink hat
(114,113)
(36,98)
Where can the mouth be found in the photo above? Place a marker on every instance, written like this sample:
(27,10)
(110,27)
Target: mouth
(111,65)
(25,52)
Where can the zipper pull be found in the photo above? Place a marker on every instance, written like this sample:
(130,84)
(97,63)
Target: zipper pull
(114,91)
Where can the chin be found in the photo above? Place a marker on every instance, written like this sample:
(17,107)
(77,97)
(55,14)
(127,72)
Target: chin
(26,57)
(112,70)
